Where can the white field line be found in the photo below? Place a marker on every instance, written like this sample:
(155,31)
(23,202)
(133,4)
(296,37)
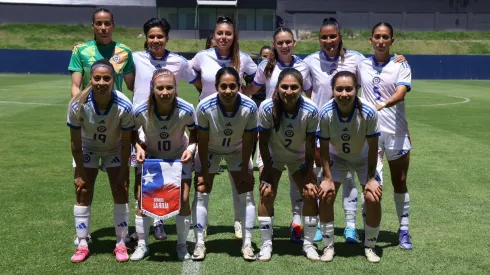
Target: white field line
(466,100)
(32,103)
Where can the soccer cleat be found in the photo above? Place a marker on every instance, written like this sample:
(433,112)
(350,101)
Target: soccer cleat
(199,252)
(238,230)
(248,253)
(405,239)
(182,252)
(121,252)
(159,232)
(265,253)
(328,253)
(76,242)
(296,232)
(81,254)
(310,252)
(350,235)
(371,255)
(318,235)
(140,253)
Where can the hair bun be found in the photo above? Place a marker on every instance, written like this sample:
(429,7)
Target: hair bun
(329,19)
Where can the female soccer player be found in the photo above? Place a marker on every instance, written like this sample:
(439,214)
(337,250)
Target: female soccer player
(226,122)
(164,110)
(324,64)
(348,133)
(288,124)
(282,57)
(226,53)
(154,57)
(385,84)
(210,42)
(101,47)
(101,121)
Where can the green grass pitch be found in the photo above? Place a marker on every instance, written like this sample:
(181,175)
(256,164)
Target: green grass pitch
(448,182)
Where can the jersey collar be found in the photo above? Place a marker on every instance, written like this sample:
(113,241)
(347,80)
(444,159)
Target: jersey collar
(295,58)
(219,56)
(375,62)
(108,109)
(356,105)
(164,57)
(300,101)
(160,118)
(325,55)
(222,108)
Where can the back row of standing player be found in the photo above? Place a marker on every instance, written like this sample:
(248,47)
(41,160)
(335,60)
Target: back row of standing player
(384,84)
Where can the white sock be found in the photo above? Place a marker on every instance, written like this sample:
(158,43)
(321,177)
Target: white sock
(236,199)
(363,210)
(247,204)
(121,222)
(157,222)
(265,226)
(402,204)
(327,229)
(319,174)
(183,224)
(371,236)
(201,216)
(296,201)
(193,208)
(311,222)
(349,201)
(142,229)
(82,223)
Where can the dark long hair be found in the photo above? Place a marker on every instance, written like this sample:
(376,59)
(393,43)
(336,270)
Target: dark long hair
(278,108)
(102,10)
(272,60)
(386,24)
(209,40)
(356,85)
(235,49)
(162,23)
(226,70)
(332,22)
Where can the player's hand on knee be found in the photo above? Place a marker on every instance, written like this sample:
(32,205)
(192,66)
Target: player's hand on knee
(375,189)
(80,184)
(310,191)
(265,190)
(326,190)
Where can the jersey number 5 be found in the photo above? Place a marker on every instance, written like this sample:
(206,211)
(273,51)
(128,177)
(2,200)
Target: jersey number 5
(377,93)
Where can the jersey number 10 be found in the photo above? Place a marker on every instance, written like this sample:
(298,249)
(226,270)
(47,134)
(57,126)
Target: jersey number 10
(164,145)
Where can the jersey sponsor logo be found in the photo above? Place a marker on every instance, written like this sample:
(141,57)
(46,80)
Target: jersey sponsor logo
(228,132)
(289,133)
(228,124)
(116,160)
(101,122)
(376,80)
(86,158)
(163,128)
(101,128)
(345,137)
(116,58)
(345,130)
(290,126)
(164,135)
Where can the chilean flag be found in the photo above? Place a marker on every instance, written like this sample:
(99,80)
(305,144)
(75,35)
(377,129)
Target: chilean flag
(160,188)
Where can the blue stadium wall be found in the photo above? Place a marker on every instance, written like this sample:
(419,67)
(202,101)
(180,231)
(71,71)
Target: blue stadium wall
(423,66)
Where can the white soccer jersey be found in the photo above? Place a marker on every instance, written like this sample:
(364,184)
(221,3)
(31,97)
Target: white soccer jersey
(323,68)
(208,62)
(166,137)
(145,64)
(379,83)
(348,137)
(270,84)
(101,131)
(288,143)
(226,129)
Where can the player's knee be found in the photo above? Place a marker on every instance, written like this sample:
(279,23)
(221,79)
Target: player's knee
(369,198)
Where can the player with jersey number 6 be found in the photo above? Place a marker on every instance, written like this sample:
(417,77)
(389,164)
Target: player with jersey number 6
(288,124)
(348,133)
(101,122)
(385,84)
(226,122)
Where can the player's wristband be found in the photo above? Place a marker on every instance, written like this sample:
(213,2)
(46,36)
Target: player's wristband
(192,148)
(383,104)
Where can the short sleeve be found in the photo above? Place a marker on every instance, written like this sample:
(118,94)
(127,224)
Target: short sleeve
(372,127)
(195,63)
(139,120)
(265,121)
(307,78)
(404,76)
(259,78)
(252,121)
(73,120)
(190,119)
(187,73)
(75,61)
(129,66)
(323,131)
(249,67)
(312,123)
(202,119)
(127,120)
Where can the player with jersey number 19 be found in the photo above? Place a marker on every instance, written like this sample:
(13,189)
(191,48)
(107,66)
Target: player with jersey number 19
(101,122)
(226,122)
(385,84)
(163,119)
(348,133)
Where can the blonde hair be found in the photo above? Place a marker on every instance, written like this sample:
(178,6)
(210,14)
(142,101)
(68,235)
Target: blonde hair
(151,98)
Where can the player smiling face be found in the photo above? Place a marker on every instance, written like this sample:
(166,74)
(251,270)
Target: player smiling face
(382,39)
(224,35)
(284,43)
(164,89)
(330,38)
(228,88)
(156,39)
(102,80)
(103,25)
(289,90)
(344,91)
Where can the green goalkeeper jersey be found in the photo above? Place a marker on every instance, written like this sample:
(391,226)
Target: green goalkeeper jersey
(85,54)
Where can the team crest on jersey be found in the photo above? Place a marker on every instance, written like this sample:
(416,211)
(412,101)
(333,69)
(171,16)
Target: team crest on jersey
(116,58)
(376,80)
(228,132)
(163,135)
(289,133)
(86,158)
(101,129)
(345,137)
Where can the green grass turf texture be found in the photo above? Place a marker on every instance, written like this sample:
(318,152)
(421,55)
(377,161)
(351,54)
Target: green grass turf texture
(448,183)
